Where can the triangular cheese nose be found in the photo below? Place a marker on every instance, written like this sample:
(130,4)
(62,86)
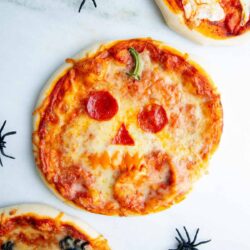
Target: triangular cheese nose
(123,137)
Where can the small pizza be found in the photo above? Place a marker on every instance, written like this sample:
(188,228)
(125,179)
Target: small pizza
(36,226)
(222,22)
(126,127)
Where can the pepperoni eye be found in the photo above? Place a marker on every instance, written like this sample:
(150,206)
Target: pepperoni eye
(152,118)
(101,105)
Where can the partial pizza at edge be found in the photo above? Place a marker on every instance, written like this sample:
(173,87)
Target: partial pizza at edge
(37,226)
(221,22)
(110,144)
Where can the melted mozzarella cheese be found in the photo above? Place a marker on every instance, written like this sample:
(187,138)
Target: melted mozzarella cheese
(93,139)
(75,188)
(245,11)
(198,10)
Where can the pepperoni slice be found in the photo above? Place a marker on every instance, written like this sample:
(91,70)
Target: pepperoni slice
(123,137)
(152,118)
(101,105)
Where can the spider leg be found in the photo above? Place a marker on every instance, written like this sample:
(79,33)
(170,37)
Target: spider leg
(1,129)
(80,8)
(178,248)
(8,156)
(9,133)
(1,162)
(94,2)
(178,239)
(202,242)
(195,237)
(188,237)
(180,235)
(179,245)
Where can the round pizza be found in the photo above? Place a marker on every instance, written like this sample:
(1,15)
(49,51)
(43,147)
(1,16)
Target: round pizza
(222,22)
(126,127)
(37,226)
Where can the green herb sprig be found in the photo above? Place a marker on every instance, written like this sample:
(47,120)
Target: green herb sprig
(136,71)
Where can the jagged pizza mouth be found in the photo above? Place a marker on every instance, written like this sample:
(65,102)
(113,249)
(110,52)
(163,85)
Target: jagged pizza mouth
(125,180)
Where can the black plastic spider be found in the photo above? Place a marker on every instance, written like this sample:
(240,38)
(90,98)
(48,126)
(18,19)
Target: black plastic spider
(7,246)
(83,2)
(188,245)
(2,142)
(69,243)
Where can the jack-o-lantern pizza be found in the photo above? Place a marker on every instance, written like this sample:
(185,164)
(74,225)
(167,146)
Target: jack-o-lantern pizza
(222,22)
(126,128)
(37,226)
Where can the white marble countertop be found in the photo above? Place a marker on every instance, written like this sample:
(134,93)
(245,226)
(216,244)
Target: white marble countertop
(37,35)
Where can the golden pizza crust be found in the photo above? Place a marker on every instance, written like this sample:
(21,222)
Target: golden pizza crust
(177,23)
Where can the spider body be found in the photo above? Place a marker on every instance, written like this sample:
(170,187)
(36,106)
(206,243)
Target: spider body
(3,142)
(188,244)
(68,243)
(7,246)
(83,2)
